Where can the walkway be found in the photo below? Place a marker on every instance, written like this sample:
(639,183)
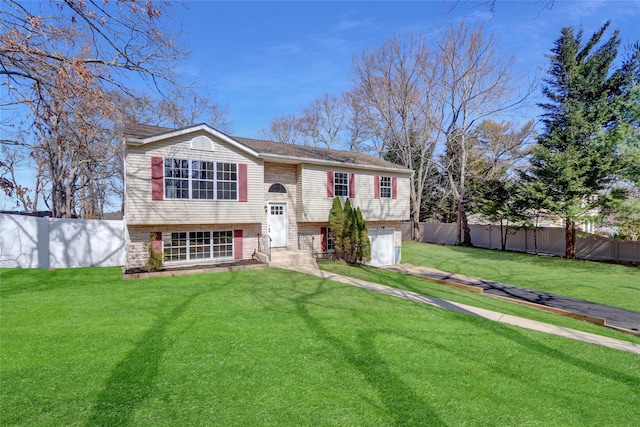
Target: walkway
(475,311)
(617,318)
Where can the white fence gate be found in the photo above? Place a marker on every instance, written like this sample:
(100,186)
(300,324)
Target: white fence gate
(36,242)
(549,241)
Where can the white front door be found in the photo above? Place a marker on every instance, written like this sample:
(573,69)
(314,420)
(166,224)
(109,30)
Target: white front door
(278,224)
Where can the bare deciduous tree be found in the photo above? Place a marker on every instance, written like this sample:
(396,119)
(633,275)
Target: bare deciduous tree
(323,120)
(475,81)
(392,92)
(356,133)
(11,160)
(60,62)
(327,122)
(181,108)
(284,129)
(496,149)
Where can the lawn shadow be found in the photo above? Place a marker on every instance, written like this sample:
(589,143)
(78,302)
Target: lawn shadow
(401,402)
(132,380)
(16,281)
(514,334)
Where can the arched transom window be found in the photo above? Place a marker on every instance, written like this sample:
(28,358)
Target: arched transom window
(277,188)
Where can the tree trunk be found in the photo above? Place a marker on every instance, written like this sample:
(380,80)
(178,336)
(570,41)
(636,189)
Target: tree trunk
(466,231)
(416,201)
(503,235)
(416,235)
(459,225)
(570,240)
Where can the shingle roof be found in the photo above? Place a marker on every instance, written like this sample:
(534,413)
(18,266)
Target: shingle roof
(305,152)
(140,131)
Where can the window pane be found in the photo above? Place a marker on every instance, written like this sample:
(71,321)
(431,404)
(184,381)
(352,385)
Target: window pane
(227,181)
(385,187)
(331,246)
(200,245)
(223,244)
(176,249)
(341,184)
(201,180)
(176,182)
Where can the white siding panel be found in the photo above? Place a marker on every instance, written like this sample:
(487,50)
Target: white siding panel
(140,209)
(314,205)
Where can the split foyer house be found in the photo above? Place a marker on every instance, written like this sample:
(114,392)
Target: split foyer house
(197,195)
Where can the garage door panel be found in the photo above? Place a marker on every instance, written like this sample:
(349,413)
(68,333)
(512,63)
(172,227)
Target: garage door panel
(382,248)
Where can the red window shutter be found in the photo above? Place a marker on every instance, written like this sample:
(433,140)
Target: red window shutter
(329,183)
(157,178)
(323,239)
(156,243)
(394,187)
(242,182)
(376,186)
(352,185)
(237,244)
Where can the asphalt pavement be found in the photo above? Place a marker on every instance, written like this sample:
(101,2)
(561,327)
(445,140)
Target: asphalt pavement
(614,317)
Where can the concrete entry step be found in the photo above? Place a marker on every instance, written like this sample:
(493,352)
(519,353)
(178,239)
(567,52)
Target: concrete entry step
(287,258)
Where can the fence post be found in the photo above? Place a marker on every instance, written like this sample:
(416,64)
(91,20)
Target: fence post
(42,242)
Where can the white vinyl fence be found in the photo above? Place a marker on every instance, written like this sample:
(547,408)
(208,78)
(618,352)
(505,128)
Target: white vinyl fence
(549,241)
(35,242)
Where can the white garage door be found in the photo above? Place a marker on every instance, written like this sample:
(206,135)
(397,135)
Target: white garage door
(382,248)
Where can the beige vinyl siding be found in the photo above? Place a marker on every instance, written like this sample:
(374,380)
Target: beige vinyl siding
(314,205)
(140,209)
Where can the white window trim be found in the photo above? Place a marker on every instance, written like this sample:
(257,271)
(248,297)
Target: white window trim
(190,180)
(187,248)
(388,187)
(335,184)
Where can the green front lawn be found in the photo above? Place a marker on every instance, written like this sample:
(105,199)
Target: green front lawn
(609,284)
(273,347)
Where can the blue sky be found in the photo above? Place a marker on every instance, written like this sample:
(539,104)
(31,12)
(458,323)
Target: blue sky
(265,59)
(268,58)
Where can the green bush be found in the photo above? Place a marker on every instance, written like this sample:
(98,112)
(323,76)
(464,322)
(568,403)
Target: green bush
(154,263)
(349,233)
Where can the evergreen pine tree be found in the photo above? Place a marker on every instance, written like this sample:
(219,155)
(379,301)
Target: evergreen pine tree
(364,244)
(577,156)
(336,223)
(348,239)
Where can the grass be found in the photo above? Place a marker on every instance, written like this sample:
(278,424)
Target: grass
(609,284)
(273,347)
(426,287)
